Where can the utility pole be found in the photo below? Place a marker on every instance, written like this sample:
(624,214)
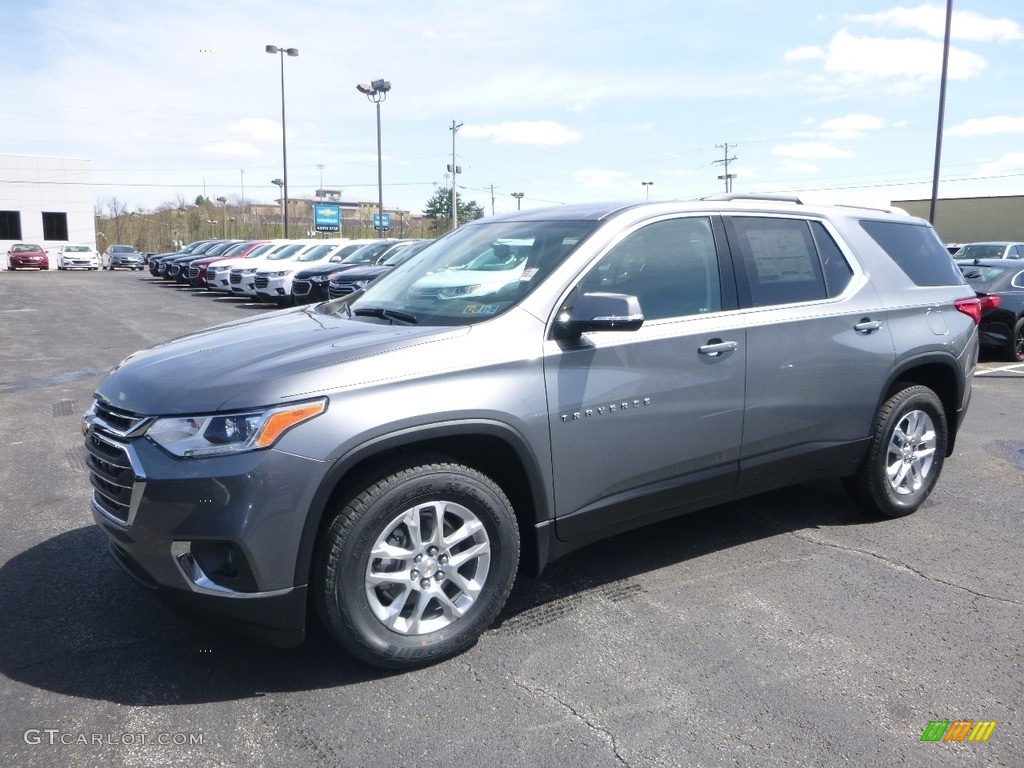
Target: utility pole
(492,199)
(725,161)
(454,170)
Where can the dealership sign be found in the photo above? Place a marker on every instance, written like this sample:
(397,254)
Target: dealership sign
(326,217)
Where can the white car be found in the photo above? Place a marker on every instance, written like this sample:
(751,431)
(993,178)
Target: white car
(76,257)
(499,266)
(218,273)
(243,274)
(274,279)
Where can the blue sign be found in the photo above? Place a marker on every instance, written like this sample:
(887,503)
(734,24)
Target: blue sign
(326,217)
(387,221)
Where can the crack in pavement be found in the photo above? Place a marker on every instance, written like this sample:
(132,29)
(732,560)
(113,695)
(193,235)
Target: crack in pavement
(603,732)
(902,566)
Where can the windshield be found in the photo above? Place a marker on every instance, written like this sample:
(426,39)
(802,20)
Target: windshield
(981,251)
(261,250)
(318,252)
(76,249)
(286,251)
(978,275)
(367,254)
(405,254)
(236,249)
(123,249)
(473,274)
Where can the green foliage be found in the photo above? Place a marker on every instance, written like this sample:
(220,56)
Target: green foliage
(439,210)
(200,200)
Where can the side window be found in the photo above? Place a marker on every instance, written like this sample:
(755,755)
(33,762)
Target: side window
(836,269)
(777,260)
(917,250)
(670,266)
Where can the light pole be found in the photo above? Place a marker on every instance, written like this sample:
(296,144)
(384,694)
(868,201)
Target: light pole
(284,204)
(284,142)
(519,199)
(224,214)
(377,91)
(647,188)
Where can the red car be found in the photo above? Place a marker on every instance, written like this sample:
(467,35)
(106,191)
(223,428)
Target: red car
(22,255)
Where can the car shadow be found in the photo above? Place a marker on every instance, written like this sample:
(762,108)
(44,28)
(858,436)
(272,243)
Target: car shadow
(75,624)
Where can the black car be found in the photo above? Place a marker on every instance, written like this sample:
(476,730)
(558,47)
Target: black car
(177,268)
(351,280)
(164,263)
(310,285)
(999,284)
(156,259)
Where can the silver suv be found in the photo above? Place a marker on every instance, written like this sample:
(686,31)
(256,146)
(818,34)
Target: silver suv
(524,386)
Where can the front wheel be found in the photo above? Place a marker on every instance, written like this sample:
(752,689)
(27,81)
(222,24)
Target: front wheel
(905,455)
(416,566)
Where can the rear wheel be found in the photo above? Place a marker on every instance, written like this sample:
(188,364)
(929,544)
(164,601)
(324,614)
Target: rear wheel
(906,453)
(417,565)
(1015,347)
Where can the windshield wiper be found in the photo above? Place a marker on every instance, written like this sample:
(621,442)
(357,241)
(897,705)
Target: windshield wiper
(394,315)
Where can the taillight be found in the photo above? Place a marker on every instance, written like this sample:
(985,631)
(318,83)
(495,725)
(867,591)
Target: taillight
(970,307)
(988,302)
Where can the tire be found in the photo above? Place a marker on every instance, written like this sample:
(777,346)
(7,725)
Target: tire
(416,606)
(1015,347)
(905,455)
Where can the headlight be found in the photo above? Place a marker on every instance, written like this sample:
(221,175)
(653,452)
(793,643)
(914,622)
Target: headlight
(193,437)
(458,290)
(282,273)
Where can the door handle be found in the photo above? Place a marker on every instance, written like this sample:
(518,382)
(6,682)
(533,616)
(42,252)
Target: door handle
(716,347)
(867,326)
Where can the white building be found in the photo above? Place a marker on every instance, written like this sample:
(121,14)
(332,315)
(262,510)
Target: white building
(45,200)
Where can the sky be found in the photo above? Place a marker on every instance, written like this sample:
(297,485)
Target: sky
(562,100)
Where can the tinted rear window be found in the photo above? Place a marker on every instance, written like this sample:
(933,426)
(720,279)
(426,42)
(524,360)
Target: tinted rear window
(916,250)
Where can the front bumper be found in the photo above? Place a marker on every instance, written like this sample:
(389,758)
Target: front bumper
(219,535)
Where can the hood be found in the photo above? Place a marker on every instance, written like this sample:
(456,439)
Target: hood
(363,273)
(252,362)
(324,269)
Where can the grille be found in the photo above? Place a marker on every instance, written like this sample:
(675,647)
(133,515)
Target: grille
(111,475)
(175,270)
(236,278)
(162,268)
(262,281)
(119,420)
(300,287)
(193,273)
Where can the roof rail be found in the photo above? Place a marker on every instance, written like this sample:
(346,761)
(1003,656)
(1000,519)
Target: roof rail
(756,196)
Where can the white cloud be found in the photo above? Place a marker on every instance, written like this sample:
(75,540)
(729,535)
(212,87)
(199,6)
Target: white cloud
(539,133)
(231,148)
(931,19)
(800,168)
(907,59)
(844,128)
(257,129)
(987,126)
(1012,161)
(804,53)
(810,150)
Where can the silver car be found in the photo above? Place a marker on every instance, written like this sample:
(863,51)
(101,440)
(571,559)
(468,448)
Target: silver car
(393,458)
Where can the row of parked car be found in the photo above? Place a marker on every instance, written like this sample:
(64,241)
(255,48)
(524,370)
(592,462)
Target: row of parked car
(74,256)
(284,272)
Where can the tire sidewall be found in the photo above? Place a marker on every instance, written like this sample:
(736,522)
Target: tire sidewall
(913,398)
(370,639)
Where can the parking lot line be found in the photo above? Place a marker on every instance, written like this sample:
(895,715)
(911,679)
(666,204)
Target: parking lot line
(1012,368)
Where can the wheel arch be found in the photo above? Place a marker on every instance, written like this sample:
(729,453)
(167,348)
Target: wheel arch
(493,448)
(939,372)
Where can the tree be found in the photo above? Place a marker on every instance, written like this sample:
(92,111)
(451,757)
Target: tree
(439,210)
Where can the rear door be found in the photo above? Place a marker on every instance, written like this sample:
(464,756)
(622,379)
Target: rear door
(819,348)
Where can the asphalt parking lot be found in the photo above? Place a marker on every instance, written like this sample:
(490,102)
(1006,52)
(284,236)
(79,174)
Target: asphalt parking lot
(784,630)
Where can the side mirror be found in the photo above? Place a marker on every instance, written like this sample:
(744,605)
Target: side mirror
(600,312)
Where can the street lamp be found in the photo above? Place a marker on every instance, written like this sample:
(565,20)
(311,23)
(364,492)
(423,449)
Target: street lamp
(647,187)
(224,214)
(377,91)
(284,204)
(519,199)
(284,143)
